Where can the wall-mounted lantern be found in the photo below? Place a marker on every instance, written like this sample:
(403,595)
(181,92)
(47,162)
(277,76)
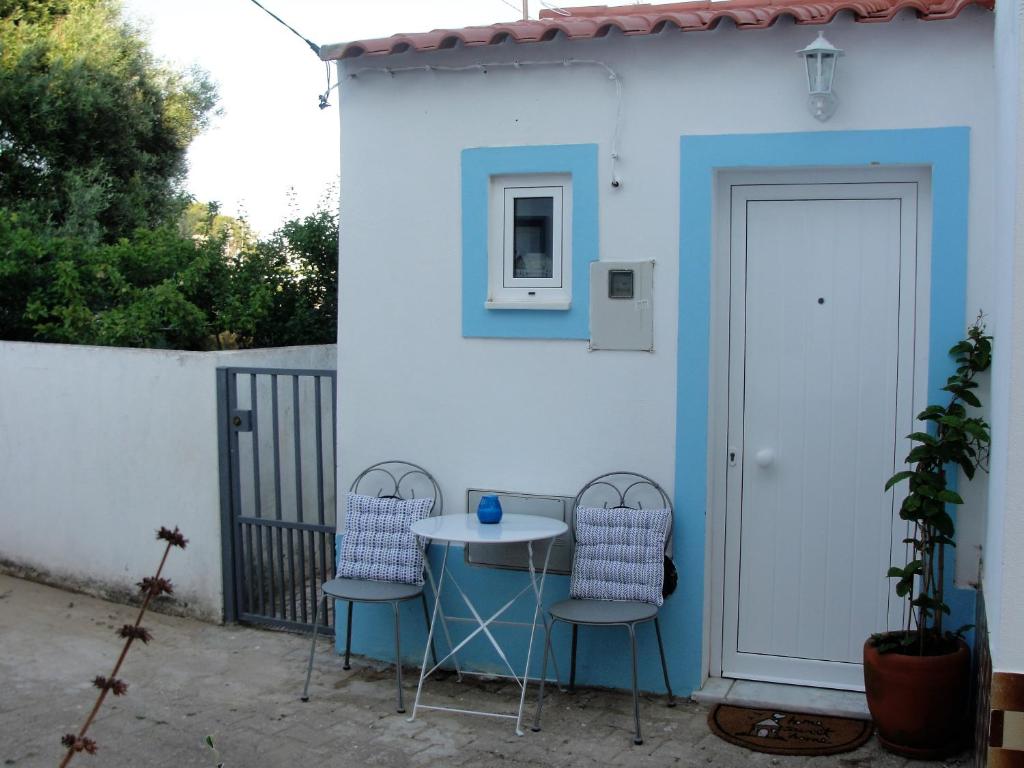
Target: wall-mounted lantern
(820,58)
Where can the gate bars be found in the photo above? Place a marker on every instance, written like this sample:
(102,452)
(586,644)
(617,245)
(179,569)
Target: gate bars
(278,440)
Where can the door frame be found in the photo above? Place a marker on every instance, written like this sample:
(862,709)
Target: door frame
(719,374)
(946,151)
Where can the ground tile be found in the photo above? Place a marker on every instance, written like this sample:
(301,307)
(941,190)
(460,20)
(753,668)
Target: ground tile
(241,685)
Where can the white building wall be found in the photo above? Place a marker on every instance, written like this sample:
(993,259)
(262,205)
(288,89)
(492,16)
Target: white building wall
(545,416)
(101,446)
(1003,566)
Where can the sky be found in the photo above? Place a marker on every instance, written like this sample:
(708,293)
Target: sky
(272,153)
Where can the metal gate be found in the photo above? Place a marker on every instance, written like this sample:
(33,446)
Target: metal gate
(278,439)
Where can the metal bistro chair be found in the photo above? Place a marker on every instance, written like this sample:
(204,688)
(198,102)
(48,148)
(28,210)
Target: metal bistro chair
(613,491)
(387,480)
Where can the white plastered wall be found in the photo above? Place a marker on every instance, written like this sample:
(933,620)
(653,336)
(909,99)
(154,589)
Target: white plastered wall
(544,416)
(1003,565)
(101,446)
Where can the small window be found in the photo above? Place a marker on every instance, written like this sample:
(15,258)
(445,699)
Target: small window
(529,260)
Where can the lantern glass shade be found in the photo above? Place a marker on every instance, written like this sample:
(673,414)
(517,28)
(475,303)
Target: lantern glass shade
(821,70)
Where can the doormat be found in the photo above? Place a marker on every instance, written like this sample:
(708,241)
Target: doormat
(788,733)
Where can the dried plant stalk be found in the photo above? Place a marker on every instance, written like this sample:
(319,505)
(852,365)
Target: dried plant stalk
(151,587)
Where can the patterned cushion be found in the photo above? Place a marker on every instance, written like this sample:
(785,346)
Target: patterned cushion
(378,544)
(620,554)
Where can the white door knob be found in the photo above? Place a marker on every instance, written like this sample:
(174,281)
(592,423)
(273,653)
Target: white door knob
(765,457)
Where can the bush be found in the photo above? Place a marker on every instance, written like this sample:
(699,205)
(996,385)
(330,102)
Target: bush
(163,289)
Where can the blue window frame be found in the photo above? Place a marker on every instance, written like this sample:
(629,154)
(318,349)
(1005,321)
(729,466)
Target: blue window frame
(479,166)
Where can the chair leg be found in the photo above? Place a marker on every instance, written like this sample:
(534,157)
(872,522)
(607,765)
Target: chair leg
(543,675)
(638,738)
(312,647)
(426,615)
(572,662)
(664,666)
(398,660)
(348,637)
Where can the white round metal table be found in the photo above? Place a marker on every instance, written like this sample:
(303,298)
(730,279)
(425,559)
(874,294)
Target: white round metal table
(466,529)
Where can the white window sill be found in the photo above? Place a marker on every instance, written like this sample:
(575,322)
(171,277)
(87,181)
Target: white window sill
(561,304)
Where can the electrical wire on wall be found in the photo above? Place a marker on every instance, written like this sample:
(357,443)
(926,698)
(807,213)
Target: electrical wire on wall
(516,64)
(324,103)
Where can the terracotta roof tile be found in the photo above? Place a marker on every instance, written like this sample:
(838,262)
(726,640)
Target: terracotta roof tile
(598,20)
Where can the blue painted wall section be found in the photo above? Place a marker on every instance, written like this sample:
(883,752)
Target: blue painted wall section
(602,653)
(946,152)
(478,165)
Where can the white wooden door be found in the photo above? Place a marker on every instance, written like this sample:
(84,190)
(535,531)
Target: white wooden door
(821,368)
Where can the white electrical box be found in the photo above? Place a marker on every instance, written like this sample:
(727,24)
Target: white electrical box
(622,305)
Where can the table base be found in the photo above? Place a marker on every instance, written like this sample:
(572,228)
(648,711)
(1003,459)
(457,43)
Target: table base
(537,587)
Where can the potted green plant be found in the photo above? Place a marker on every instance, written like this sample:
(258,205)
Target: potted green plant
(917,679)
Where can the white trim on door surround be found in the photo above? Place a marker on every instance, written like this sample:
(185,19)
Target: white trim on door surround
(718,380)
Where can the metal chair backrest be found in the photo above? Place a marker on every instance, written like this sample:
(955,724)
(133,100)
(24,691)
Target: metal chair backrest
(399,480)
(624,490)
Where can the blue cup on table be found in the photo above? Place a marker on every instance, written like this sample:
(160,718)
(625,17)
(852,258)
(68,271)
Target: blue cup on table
(489,509)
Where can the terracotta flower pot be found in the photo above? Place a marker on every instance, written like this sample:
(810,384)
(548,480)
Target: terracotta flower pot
(919,703)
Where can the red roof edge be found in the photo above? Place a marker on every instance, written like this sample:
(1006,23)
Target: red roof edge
(593,21)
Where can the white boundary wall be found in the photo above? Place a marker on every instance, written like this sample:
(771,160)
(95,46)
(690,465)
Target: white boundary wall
(100,446)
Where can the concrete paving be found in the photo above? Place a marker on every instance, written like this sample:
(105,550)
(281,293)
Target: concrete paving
(241,686)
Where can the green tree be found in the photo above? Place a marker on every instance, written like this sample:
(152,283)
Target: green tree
(98,244)
(156,290)
(284,288)
(164,290)
(93,130)
(201,221)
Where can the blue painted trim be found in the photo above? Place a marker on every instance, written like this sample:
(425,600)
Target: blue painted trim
(478,165)
(947,152)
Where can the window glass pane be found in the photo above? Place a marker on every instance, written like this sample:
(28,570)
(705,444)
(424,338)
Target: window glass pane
(532,242)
